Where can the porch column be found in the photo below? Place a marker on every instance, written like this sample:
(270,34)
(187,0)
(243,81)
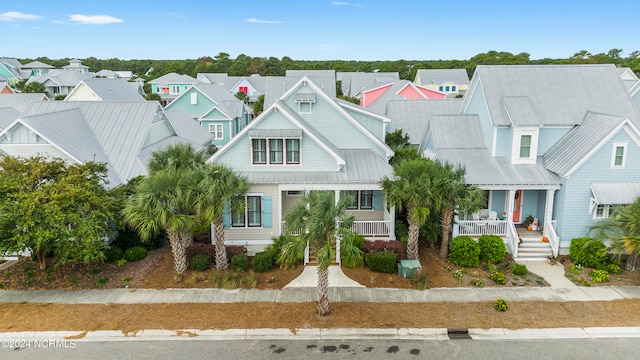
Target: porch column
(510,204)
(548,206)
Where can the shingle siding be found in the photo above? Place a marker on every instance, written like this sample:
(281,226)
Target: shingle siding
(478,105)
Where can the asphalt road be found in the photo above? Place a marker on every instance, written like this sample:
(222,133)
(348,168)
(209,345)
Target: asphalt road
(584,349)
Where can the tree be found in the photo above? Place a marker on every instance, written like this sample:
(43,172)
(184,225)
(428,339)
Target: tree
(410,189)
(35,87)
(50,207)
(623,229)
(451,194)
(180,157)
(319,220)
(218,186)
(258,106)
(397,139)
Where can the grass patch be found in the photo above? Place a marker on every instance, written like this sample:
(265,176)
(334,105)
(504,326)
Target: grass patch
(102,281)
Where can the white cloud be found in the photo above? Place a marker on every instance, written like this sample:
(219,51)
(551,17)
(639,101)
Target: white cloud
(344,3)
(259,21)
(94,19)
(16,15)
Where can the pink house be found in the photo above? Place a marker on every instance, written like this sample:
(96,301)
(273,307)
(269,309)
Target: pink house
(377,97)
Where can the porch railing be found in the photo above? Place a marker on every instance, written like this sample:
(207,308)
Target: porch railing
(306,254)
(372,227)
(513,240)
(482,227)
(550,233)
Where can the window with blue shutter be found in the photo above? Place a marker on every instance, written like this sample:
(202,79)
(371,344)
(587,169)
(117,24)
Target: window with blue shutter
(266,211)
(377,200)
(226,214)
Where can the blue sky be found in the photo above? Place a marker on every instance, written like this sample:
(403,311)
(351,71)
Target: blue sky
(314,29)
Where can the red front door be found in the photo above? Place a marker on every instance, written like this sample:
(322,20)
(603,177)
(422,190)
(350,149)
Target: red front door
(517,202)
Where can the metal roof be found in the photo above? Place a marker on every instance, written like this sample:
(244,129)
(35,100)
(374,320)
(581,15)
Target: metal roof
(562,94)
(113,89)
(188,128)
(615,193)
(20,101)
(353,82)
(61,77)
(7,116)
(37,65)
(276,86)
(212,78)
(521,111)
(412,116)
(173,78)
(457,132)
(574,146)
(279,133)
(438,76)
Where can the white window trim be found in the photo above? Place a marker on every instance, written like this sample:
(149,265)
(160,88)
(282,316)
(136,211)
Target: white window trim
(358,201)
(284,152)
(606,212)
(246,212)
(194,98)
(175,89)
(624,155)
(516,143)
(215,131)
(310,103)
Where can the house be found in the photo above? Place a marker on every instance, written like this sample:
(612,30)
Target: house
(121,134)
(10,71)
(351,83)
(76,65)
(449,81)
(6,89)
(560,143)
(376,98)
(110,74)
(253,86)
(171,86)
(60,82)
(276,86)
(97,89)
(219,112)
(307,140)
(412,116)
(35,68)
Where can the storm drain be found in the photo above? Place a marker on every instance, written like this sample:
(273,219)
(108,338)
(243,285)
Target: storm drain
(455,334)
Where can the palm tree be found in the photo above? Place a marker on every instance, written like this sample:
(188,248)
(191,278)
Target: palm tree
(218,185)
(181,156)
(410,189)
(453,194)
(319,220)
(163,201)
(623,229)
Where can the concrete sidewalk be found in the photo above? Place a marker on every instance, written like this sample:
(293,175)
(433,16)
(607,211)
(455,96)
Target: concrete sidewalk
(307,294)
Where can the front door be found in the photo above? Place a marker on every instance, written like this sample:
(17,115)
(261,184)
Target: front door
(517,203)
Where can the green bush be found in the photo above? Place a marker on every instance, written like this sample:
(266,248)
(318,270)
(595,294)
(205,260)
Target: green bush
(519,269)
(240,262)
(101,281)
(262,262)
(464,251)
(591,253)
(135,253)
(384,261)
(500,305)
(112,254)
(613,269)
(351,254)
(599,276)
(492,248)
(128,238)
(200,262)
(498,277)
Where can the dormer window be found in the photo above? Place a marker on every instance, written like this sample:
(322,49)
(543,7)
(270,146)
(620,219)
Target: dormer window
(305,102)
(524,145)
(619,155)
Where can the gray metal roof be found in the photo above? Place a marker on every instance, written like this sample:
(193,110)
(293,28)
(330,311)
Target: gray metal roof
(188,128)
(363,166)
(457,132)
(562,94)
(61,77)
(276,86)
(521,111)
(577,143)
(37,65)
(438,76)
(20,101)
(279,133)
(7,116)
(113,89)
(615,193)
(173,78)
(13,66)
(212,78)
(412,116)
(227,102)
(353,82)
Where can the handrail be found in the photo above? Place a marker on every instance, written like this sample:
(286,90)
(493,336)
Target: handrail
(338,250)
(550,233)
(306,254)
(481,227)
(513,239)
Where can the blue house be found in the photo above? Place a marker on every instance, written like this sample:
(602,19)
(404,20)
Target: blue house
(560,143)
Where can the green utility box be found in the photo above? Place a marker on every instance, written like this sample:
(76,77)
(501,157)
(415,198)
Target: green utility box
(408,268)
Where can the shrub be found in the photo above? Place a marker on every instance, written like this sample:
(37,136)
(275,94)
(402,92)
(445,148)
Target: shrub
(128,238)
(492,248)
(295,254)
(112,254)
(233,250)
(384,261)
(383,245)
(240,262)
(464,251)
(519,269)
(613,269)
(102,281)
(121,262)
(588,252)
(200,262)
(262,262)
(498,277)
(127,280)
(599,276)
(135,253)
(477,282)
(351,254)
(234,280)
(500,305)
(200,249)
(401,229)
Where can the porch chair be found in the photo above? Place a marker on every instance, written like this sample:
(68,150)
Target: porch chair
(493,215)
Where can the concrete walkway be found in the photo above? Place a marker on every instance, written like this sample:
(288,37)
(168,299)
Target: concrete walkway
(309,278)
(553,274)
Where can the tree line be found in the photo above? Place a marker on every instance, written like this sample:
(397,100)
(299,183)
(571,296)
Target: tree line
(244,65)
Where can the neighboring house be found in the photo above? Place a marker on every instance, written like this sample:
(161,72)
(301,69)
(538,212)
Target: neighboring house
(121,134)
(307,140)
(558,142)
(449,81)
(170,86)
(253,85)
(6,89)
(10,71)
(110,74)
(412,116)
(60,82)
(35,68)
(376,98)
(218,111)
(351,83)
(98,89)
(20,101)
(76,65)
(276,86)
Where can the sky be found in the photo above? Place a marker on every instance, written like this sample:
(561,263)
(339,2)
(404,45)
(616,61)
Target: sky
(314,29)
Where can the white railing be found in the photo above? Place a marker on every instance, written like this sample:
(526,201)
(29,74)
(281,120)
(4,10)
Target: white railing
(550,233)
(513,240)
(372,227)
(481,227)
(338,250)
(283,229)
(306,254)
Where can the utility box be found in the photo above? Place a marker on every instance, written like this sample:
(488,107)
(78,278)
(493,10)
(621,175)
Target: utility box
(408,268)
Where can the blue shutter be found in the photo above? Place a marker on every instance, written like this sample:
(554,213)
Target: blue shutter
(377,200)
(266,212)
(226,214)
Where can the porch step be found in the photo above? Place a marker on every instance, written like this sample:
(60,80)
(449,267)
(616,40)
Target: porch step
(532,248)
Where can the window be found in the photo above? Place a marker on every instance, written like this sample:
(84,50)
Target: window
(453,88)
(446,88)
(259,149)
(604,211)
(275,151)
(216,131)
(525,146)
(618,157)
(251,215)
(294,192)
(194,98)
(354,203)
(243,89)
(175,89)
(362,200)
(441,88)
(293,151)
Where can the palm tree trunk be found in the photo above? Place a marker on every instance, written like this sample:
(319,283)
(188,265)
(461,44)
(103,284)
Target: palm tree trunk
(412,244)
(323,290)
(633,262)
(178,249)
(445,220)
(221,252)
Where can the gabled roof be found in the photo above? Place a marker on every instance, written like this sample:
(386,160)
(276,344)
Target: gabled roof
(457,132)
(521,111)
(37,65)
(412,116)
(212,78)
(277,86)
(12,65)
(188,128)
(61,77)
(173,78)
(109,89)
(20,101)
(7,116)
(379,105)
(562,94)
(439,76)
(226,102)
(354,82)
(577,146)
